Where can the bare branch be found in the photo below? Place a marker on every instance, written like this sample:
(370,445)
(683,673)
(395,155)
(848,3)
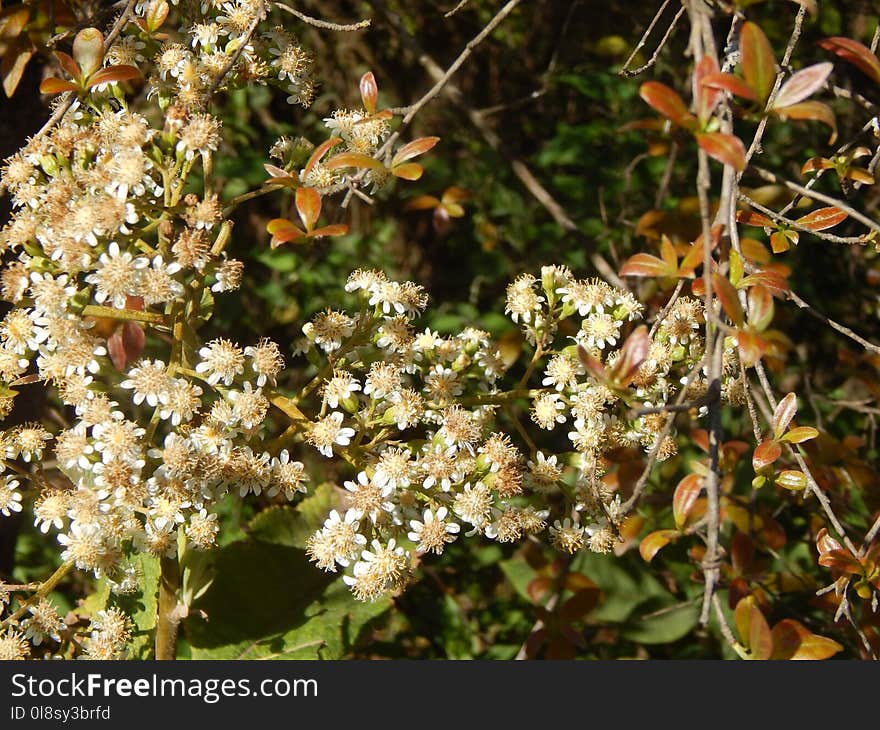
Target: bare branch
(821,197)
(323,24)
(830,237)
(625,70)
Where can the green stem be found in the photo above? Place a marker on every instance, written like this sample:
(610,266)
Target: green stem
(168,616)
(44,590)
(133,315)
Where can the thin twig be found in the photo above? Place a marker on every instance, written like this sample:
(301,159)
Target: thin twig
(642,481)
(66,100)
(830,237)
(248,34)
(786,59)
(625,71)
(821,197)
(726,632)
(519,168)
(846,331)
(323,24)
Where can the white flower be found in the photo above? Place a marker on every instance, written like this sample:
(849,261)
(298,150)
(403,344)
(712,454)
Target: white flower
(328,431)
(149,381)
(10,498)
(221,360)
(117,276)
(433,533)
(369,499)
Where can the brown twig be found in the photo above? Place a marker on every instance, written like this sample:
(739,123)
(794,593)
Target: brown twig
(323,24)
(821,197)
(625,71)
(846,331)
(519,168)
(830,237)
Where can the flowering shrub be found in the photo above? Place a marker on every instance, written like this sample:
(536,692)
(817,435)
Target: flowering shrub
(378,441)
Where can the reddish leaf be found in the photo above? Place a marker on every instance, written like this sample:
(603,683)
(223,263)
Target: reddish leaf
(579,605)
(751,346)
(282,231)
(369,92)
(750,218)
(12,67)
(88,50)
(114,73)
(765,454)
(668,254)
(792,479)
(782,415)
(841,560)
(823,218)
(812,110)
(319,152)
(734,84)
(725,148)
(667,102)
(68,64)
(13,21)
(760,308)
(859,175)
(793,641)
(728,297)
(538,587)
(826,543)
(632,355)
(856,54)
(802,84)
(707,97)
(815,164)
(408,171)
(413,149)
(337,229)
(652,543)
(685,496)
(781,241)
(692,259)
(156,15)
(800,434)
(53,85)
(116,350)
(753,629)
(133,340)
(575,582)
(644,264)
(422,202)
(308,205)
(775,282)
(742,553)
(758,63)
(353,159)
(593,366)
(754,250)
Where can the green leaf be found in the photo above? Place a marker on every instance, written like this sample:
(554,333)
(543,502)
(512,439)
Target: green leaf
(520,574)
(292,526)
(758,62)
(141,607)
(625,587)
(269,602)
(660,623)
